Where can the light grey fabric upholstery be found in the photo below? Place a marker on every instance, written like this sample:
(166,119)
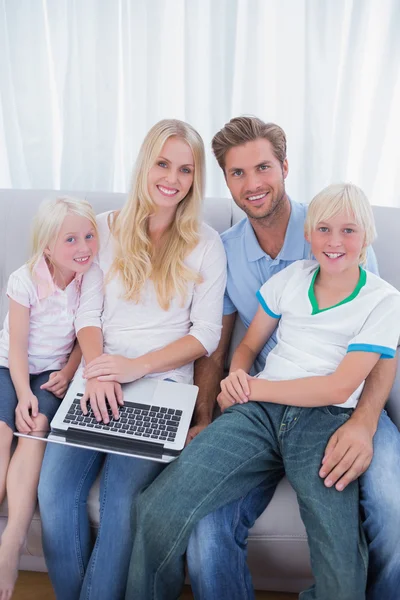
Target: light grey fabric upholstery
(278,551)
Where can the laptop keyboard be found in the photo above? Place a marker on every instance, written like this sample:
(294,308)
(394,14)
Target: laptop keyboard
(139,420)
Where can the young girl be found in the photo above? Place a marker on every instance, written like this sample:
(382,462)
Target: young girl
(164,277)
(38,357)
(335,321)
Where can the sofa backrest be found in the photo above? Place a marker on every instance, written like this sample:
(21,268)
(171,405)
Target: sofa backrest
(17,208)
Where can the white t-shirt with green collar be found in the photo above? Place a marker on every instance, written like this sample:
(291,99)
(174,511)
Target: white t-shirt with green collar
(313,342)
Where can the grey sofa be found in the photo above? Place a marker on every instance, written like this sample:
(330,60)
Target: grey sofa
(278,551)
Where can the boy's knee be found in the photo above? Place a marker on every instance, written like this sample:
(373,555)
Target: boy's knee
(141,516)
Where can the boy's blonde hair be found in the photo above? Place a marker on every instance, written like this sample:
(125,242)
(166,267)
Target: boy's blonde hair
(342,198)
(48,221)
(136,259)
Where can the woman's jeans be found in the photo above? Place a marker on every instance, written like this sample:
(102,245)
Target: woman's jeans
(79,567)
(217,550)
(250,444)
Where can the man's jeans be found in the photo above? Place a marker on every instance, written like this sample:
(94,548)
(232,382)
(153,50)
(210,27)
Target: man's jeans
(247,445)
(217,550)
(380,494)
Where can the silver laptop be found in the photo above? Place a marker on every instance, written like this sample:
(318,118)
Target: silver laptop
(153,422)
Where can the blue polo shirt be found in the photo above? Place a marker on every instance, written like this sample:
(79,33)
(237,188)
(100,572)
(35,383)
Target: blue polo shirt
(249,267)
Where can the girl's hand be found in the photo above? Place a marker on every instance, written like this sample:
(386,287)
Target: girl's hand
(235,387)
(23,419)
(57,384)
(112,367)
(100,393)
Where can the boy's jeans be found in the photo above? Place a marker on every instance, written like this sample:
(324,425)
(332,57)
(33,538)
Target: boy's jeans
(217,550)
(247,445)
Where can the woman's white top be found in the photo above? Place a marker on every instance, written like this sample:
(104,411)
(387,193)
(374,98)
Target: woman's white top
(133,329)
(314,341)
(51,321)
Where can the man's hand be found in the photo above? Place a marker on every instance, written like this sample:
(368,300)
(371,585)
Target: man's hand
(193,431)
(224,401)
(348,454)
(57,384)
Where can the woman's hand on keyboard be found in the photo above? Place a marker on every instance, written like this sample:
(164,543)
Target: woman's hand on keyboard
(113,367)
(102,395)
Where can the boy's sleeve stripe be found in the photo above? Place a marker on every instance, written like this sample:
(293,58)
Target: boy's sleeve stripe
(265,307)
(384,351)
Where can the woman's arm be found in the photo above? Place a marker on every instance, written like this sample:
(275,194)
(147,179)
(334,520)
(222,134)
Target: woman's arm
(91,342)
(203,336)
(90,337)
(99,393)
(114,367)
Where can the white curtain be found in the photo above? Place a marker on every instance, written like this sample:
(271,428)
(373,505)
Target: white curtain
(81,82)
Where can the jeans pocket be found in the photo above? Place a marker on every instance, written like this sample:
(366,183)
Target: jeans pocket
(338,411)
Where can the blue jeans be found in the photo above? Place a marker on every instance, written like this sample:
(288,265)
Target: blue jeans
(217,550)
(250,444)
(380,494)
(48,403)
(79,567)
(218,545)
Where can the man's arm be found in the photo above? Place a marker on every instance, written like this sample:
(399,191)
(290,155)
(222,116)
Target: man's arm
(349,450)
(208,372)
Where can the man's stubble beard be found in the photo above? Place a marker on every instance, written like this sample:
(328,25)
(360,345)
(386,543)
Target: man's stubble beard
(273,211)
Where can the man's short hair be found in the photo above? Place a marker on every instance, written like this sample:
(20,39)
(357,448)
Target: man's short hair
(241,130)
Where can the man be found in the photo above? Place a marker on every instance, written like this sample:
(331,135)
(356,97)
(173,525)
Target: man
(252,155)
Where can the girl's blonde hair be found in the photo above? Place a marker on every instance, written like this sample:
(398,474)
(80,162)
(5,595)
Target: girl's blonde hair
(48,221)
(136,259)
(342,198)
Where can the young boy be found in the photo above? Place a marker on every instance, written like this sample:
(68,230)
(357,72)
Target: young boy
(335,322)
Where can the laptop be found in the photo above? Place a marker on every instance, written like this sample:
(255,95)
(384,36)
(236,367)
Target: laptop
(153,422)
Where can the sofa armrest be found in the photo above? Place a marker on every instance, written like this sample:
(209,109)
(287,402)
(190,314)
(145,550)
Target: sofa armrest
(393,404)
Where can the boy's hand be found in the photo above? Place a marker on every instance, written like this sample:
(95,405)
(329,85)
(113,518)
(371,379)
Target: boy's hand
(347,455)
(236,387)
(27,408)
(57,384)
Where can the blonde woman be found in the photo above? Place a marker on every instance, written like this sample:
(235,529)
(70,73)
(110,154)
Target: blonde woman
(163,275)
(38,358)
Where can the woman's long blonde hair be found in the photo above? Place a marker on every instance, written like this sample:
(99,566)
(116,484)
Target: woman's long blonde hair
(48,221)
(136,260)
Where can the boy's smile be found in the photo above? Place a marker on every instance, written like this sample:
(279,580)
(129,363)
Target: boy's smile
(337,243)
